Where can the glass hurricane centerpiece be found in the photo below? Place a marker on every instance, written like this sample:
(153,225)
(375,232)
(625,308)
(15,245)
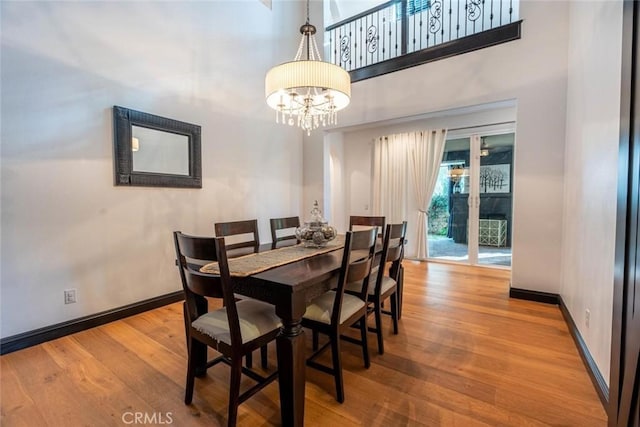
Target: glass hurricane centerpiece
(316,232)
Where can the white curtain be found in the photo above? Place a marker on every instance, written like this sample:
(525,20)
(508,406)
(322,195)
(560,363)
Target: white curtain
(425,156)
(394,156)
(390,178)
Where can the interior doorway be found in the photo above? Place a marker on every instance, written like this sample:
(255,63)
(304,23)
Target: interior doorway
(470,216)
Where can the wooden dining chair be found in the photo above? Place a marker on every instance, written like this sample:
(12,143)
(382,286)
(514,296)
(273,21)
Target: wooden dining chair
(335,311)
(237,228)
(288,224)
(235,330)
(367,221)
(240,231)
(387,279)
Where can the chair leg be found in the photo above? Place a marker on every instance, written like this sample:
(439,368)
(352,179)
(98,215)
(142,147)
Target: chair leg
(399,290)
(337,366)
(191,375)
(249,358)
(198,355)
(378,316)
(263,357)
(315,340)
(365,345)
(187,322)
(197,350)
(394,311)
(234,391)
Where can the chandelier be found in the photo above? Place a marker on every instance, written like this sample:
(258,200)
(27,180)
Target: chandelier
(484,149)
(456,173)
(307,91)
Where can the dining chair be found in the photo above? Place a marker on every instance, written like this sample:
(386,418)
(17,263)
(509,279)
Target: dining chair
(242,229)
(235,330)
(289,224)
(369,221)
(335,311)
(237,228)
(387,278)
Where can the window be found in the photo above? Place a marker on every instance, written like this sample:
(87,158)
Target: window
(416,6)
(413,7)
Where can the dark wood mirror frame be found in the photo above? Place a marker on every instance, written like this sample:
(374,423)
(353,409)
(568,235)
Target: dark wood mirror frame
(123,120)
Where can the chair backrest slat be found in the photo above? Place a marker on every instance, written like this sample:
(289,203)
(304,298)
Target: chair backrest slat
(234,228)
(392,252)
(368,221)
(197,248)
(291,222)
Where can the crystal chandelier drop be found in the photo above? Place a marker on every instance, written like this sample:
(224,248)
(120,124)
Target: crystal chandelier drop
(309,89)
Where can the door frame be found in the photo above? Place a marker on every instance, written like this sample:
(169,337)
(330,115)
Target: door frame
(473,201)
(627,204)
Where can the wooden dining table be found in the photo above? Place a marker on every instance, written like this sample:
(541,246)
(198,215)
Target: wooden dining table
(289,288)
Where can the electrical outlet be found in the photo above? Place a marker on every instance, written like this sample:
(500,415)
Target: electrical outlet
(587,317)
(70,296)
(366,207)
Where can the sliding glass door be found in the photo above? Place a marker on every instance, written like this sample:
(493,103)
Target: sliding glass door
(448,213)
(470,212)
(496,199)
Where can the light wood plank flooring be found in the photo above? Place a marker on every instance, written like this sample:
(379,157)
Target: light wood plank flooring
(466,355)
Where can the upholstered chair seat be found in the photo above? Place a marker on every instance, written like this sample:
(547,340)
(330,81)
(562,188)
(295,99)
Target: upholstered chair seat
(255,317)
(320,308)
(387,283)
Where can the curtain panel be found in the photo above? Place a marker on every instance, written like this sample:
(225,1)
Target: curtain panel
(390,178)
(397,158)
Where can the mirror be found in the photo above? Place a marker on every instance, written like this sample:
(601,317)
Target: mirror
(155,151)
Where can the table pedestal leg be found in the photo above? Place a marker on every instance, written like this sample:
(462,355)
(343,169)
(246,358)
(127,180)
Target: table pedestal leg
(291,372)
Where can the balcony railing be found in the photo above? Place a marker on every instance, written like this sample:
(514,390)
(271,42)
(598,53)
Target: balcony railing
(372,42)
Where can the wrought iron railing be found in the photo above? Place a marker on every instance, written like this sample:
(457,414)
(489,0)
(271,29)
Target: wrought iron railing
(400,27)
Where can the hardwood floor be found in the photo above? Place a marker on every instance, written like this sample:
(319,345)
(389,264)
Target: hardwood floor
(466,355)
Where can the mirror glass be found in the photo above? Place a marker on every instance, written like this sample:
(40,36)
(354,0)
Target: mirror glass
(155,151)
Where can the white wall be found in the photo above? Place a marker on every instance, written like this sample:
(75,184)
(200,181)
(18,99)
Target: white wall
(337,185)
(533,71)
(64,65)
(337,10)
(591,156)
(313,173)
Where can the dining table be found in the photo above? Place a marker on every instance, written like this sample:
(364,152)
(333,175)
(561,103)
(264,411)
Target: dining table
(289,286)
